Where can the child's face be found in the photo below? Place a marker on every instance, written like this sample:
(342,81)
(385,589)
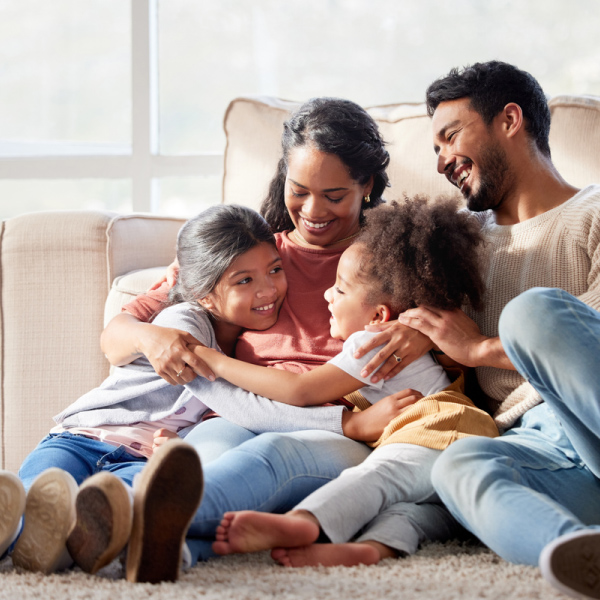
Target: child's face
(251,291)
(348,305)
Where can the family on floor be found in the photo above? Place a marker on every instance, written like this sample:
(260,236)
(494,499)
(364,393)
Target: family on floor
(341,379)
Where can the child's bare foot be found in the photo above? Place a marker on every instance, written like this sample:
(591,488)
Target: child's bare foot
(327,555)
(250,531)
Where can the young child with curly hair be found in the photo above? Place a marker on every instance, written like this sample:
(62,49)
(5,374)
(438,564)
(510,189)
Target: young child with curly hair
(408,254)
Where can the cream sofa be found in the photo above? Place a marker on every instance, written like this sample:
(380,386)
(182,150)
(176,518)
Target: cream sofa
(64,274)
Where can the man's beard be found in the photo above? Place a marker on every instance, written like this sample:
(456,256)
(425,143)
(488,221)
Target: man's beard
(494,182)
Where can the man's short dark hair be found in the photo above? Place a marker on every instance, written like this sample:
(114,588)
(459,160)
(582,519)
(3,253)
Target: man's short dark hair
(490,86)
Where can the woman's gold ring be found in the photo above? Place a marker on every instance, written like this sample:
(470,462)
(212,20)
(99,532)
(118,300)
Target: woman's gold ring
(398,358)
(180,372)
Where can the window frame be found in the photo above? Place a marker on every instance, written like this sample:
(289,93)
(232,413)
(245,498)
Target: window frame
(144,166)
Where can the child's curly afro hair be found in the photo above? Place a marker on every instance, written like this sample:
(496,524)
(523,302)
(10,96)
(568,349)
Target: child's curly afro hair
(420,251)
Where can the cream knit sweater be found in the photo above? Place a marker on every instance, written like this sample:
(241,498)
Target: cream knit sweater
(560,248)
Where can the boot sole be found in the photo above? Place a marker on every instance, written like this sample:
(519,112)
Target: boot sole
(571,563)
(12,501)
(166,498)
(49,516)
(103,522)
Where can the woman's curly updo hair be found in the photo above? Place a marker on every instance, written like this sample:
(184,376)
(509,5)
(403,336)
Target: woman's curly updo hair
(421,251)
(334,126)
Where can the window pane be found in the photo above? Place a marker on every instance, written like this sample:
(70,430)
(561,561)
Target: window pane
(66,76)
(59,194)
(376,52)
(187,196)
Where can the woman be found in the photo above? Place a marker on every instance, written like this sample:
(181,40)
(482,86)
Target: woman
(332,169)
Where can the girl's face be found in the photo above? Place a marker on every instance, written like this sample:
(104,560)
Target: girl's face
(348,305)
(251,291)
(322,199)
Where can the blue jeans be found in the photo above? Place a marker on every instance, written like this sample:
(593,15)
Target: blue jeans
(539,480)
(79,456)
(270,472)
(214,437)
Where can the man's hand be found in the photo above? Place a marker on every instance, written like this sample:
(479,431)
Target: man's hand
(400,342)
(458,336)
(368,425)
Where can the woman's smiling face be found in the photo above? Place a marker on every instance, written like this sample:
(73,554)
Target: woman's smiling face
(322,199)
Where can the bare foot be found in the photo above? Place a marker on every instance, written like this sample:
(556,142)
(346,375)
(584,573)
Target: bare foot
(327,555)
(250,531)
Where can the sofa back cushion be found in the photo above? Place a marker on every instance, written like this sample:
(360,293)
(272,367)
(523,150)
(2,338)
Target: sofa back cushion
(575,138)
(253,127)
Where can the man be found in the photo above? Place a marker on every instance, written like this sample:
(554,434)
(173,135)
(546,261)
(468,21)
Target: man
(533,494)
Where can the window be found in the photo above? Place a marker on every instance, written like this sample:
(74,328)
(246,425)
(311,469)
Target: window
(118,104)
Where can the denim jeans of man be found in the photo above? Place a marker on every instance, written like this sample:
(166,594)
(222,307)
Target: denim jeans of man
(539,480)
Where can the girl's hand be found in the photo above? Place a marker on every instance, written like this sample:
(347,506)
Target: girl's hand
(404,342)
(170,277)
(161,437)
(368,425)
(170,352)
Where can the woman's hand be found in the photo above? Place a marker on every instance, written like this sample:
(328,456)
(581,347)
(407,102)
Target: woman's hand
(170,352)
(161,437)
(170,276)
(400,342)
(368,425)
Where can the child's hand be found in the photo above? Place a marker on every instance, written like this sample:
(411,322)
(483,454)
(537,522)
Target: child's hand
(368,425)
(161,437)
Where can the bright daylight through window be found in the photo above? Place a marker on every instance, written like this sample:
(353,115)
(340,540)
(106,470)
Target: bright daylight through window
(118,105)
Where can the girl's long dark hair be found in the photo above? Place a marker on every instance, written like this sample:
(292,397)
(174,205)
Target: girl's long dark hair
(209,243)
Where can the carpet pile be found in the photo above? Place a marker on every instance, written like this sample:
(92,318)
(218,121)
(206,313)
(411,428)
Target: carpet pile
(452,571)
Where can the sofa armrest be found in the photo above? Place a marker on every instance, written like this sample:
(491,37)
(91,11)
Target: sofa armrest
(56,269)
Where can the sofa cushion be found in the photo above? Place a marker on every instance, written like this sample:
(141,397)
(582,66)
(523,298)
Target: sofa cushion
(576,153)
(413,164)
(126,287)
(55,272)
(253,127)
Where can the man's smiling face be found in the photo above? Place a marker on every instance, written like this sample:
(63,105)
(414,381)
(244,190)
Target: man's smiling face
(470,156)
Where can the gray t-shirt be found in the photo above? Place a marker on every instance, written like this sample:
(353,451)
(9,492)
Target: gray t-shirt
(135,393)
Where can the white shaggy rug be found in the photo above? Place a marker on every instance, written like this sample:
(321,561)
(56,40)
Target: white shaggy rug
(450,571)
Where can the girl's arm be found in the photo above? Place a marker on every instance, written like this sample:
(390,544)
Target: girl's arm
(260,415)
(323,384)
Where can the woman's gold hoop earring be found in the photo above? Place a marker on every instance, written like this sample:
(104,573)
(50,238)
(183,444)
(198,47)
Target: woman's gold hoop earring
(367,199)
